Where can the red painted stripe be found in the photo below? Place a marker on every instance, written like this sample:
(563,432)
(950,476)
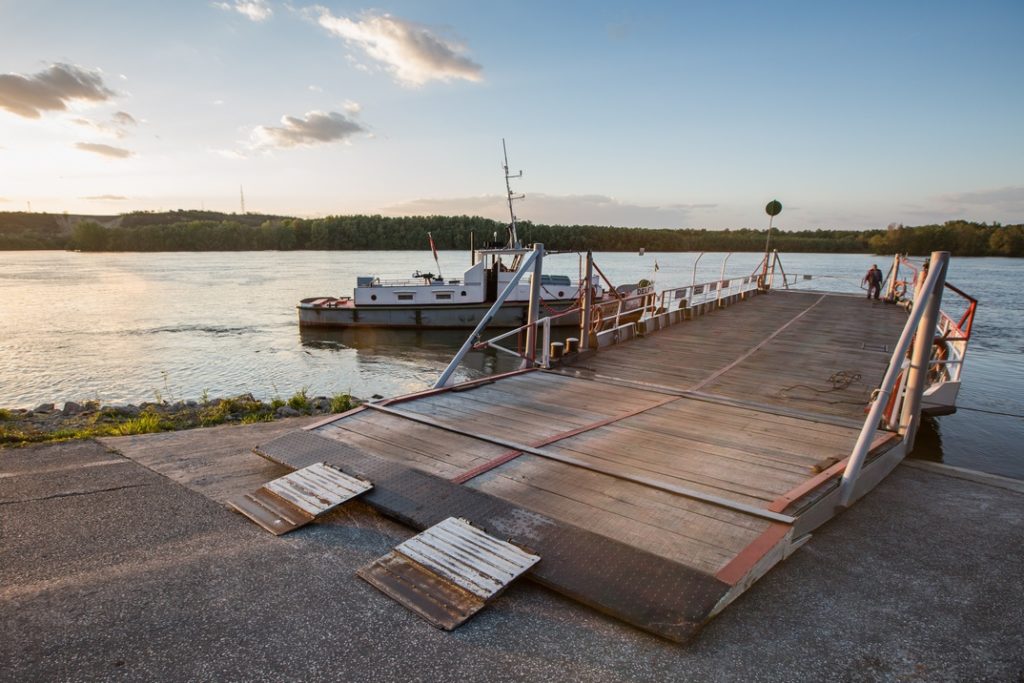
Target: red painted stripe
(783,501)
(740,566)
(465,385)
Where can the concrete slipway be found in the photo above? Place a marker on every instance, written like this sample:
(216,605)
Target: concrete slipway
(118,560)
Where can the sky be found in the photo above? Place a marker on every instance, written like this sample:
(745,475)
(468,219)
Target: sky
(677,114)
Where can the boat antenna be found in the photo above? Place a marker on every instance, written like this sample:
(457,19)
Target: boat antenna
(513,236)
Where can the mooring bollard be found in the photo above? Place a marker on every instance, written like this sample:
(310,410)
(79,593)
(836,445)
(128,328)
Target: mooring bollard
(556,350)
(572,345)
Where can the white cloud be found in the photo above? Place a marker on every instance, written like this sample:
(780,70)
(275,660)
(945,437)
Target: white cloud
(315,88)
(352,107)
(106,198)
(316,127)
(51,90)
(254,10)
(117,126)
(229,154)
(415,54)
(104,150)
(558,210)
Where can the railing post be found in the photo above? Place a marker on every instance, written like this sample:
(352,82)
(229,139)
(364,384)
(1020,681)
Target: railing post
(921,355)
(894,273)
(721,279)
(885,390)
(534,311)
(588,302)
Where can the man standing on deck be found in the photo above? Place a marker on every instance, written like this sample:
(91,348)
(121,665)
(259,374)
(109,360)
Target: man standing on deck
(874,281)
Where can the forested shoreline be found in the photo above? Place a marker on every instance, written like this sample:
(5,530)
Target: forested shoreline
(211,231)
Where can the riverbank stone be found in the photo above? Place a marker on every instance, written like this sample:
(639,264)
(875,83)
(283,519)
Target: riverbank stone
(287,411)
(72,408)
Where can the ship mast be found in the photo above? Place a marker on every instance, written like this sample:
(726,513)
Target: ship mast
(513,236)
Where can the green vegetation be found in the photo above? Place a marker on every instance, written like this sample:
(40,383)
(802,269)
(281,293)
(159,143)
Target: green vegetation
(211,231)
(22,427)
(341,402)
(299,400)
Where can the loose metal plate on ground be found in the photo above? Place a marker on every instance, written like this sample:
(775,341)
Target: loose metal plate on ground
(296,499)
(447,573)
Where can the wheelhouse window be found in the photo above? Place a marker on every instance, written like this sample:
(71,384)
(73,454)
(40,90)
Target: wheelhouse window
(405,296)
(443,296)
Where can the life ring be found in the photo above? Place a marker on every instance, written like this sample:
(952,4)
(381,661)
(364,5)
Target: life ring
(900,289)
(596,318)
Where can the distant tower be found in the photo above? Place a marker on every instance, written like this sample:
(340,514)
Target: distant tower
(30,207)
(241,196)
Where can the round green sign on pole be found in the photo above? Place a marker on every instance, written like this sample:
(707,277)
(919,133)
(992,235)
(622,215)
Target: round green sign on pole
(774,208)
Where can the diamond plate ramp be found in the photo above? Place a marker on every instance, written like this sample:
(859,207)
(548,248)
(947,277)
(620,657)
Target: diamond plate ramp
(643,589)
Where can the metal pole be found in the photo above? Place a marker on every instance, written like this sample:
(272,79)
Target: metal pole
(767,246)
(894,273)
(867,432)
(588,302)
(721,278)
(917,378)
(488,316)
(531,330)
(693,280)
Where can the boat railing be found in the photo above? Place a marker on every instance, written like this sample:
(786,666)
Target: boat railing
(413,282)
(896,403)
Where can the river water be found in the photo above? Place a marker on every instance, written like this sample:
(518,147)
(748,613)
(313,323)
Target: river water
(137,327)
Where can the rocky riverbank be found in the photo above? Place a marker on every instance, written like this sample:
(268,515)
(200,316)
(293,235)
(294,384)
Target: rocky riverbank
(90,419)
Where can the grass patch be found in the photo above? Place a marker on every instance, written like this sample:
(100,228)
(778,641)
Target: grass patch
(147,423)
(300,400)
(341,402)
(6,415)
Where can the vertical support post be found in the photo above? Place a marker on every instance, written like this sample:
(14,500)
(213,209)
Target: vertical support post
(917,377)
(534,311)
(588,302)
(721,279)
(488,316)
(894,273)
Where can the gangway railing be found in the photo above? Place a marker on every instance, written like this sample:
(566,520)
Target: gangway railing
(906,402)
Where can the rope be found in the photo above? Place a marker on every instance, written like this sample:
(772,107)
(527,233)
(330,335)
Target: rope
(840,380)
(990,412)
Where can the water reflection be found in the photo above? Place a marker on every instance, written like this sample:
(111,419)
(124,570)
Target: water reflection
(425,347)
(928,442)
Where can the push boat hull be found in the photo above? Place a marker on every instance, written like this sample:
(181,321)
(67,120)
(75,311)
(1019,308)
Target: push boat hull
(327,312)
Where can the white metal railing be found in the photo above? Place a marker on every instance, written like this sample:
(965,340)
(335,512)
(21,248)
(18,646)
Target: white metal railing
(905,402)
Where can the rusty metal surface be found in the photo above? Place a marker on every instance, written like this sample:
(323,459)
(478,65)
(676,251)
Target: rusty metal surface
(271,512)
(318,488)
(641,588)
(440,602)
(296,499)
(457,551)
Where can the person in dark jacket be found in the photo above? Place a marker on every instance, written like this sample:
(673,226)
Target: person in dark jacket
(874,282)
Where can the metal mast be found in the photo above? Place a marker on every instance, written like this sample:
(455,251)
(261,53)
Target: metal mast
(241,197)
(513,236)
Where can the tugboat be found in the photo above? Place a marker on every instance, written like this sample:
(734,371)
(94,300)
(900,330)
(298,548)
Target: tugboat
(429,301)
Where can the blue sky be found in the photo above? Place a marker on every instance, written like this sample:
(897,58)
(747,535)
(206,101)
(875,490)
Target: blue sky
(854,115)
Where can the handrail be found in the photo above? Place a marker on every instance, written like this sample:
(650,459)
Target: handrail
(878,406)
(526,265)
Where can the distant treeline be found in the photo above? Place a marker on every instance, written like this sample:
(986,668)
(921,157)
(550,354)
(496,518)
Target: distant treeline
(210,231)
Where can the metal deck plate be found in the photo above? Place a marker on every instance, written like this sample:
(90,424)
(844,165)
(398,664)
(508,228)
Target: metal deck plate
(447,573)
(296,499)
(644,589)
